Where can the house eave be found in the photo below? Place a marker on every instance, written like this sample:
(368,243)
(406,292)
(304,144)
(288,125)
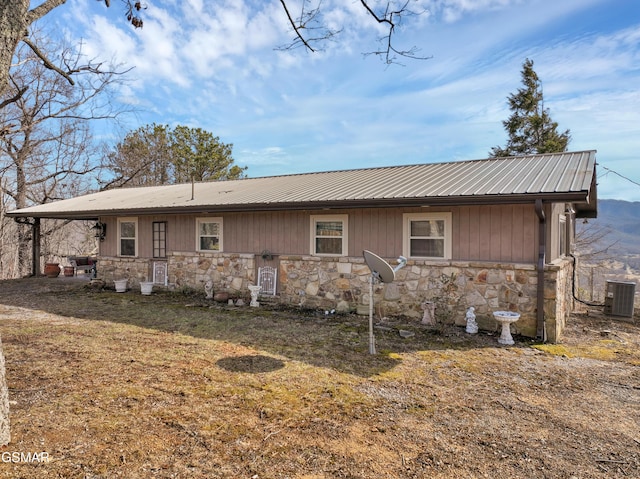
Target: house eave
(584,208)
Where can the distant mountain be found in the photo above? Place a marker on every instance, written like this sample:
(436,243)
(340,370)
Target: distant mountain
(622,220)
(619,260)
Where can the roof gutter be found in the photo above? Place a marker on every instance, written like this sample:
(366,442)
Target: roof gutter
(575,198)
(541,327)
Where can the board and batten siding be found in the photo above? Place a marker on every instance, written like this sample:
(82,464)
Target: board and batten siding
(480,232)
(495,233)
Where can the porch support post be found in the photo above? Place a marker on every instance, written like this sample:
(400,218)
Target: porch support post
(35,247)
(541,330)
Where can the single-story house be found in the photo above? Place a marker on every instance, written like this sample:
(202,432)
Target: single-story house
(495,234)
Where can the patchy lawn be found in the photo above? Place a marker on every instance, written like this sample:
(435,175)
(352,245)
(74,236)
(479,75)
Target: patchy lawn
(172,386)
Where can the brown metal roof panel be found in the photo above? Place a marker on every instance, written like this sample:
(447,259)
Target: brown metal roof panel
(491,176)
(495,178)
(438,180)
(544,174)
(414,181)
(563,179)
(584,172)
(536,174)
(569,172)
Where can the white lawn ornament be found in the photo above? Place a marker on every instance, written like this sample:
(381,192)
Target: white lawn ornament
(208,289)
(472,326)
(255,291)
(429,316)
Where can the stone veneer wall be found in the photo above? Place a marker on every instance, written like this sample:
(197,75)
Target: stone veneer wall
(343,284)
(453,286)
(558,298)
(229,272)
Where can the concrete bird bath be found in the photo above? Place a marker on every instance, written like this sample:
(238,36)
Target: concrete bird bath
(505,318)
(255,291)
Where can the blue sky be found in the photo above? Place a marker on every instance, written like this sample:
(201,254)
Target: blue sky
(212,64)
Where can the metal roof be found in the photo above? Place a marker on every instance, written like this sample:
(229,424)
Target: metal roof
(568,177)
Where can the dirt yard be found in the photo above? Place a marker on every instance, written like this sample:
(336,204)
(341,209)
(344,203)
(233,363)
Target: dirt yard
(114,385)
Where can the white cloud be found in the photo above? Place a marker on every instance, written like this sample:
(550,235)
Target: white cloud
(213,65)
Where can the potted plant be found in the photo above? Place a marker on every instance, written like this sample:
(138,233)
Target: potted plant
(146,287)
(51,269)
(121,285)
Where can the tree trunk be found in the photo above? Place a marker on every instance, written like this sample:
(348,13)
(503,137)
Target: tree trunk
(24,233)
(12,28)
(5,429)
(15,19)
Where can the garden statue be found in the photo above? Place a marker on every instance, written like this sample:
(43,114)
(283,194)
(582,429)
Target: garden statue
(255,291)
(208,289)
(429,317)
(472,326)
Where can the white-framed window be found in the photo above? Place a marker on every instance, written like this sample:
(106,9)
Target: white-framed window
(128,237)
(209,234)
(562,235)
(427,235)
(329,235)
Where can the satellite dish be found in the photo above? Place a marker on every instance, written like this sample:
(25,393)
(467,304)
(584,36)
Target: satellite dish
(379,267)
(382,271)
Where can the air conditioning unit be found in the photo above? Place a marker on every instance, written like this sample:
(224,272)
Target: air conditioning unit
(619,298)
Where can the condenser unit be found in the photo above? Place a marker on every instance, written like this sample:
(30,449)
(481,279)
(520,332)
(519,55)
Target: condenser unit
(619,298)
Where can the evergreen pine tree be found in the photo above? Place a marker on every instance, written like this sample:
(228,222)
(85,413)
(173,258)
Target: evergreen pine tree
(530,127)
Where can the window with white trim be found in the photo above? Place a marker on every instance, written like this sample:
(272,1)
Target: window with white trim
(329,235)
(427,235)
(562,235)
(209,234)
(128,237)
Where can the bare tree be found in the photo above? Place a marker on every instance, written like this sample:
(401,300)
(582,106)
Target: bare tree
(17,19)
(593,253)
(45,142)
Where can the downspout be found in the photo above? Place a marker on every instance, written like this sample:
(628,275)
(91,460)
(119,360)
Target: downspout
(541,329)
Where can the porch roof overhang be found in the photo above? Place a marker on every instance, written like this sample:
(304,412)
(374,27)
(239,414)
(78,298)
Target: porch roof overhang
(558,177)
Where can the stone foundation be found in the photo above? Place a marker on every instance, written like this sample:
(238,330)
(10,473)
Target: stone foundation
(558,298)
(343,284)
(229,272)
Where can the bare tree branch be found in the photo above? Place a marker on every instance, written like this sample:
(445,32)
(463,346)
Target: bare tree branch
(41,10)
(392,18)
(12,99)
(308,28)
(310,20)
(296,28)
(47,63)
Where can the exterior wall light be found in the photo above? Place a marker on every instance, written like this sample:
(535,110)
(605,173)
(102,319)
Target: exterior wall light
(99,230)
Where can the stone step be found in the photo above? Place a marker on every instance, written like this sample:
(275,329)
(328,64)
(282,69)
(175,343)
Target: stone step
(268,300)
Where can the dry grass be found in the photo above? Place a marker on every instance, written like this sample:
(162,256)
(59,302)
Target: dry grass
(121,385)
